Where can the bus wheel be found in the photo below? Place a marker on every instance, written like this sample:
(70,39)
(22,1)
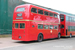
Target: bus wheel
(40,37)
(70,35)
(59,36)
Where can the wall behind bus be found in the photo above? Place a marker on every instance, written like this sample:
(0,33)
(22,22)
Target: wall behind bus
(6,14)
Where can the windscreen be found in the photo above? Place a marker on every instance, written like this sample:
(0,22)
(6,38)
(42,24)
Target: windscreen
(62,17)
(20,9)
(62,26)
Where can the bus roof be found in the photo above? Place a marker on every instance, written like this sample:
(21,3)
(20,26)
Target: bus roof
(53,10)
(37,6)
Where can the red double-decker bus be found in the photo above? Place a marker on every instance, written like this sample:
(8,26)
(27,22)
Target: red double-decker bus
(67,25)
(31,22)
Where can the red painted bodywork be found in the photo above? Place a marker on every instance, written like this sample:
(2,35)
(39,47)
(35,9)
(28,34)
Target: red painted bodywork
(66,24)
(31,33)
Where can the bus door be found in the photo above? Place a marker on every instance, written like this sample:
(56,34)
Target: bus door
(15,28)
(21,29)
(62,29)
(62,24)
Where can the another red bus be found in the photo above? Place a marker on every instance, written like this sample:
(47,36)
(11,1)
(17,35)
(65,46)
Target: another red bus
(31,22)
(67,25)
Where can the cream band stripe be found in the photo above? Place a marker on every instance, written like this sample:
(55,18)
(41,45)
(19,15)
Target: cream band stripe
(35,21)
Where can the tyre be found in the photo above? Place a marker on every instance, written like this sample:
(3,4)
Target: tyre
(40,38)
(70,35)
(59,36)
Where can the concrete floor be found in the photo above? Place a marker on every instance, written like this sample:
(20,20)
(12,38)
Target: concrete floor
(51,44)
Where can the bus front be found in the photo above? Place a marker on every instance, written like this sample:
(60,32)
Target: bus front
(20,23)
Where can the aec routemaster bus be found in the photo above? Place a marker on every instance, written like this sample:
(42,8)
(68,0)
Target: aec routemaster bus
(67,25)
(31,22)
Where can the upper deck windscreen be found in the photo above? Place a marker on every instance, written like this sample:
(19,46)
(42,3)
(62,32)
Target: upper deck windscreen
(62,17)
(20,9)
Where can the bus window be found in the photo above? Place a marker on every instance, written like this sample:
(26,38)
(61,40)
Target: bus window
(62,17)
(22,25)
(62,26)
(40,26)
(34,10)
(70,19)
(67,18)
(20,9)
(45,26)
(45,13)
(40,11)
(16,25)
(51,14)
(51,27)
(74,19)
(55,27)
(55,15)
(13,25)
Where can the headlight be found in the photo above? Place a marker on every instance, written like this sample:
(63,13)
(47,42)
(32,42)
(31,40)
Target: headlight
(20,14)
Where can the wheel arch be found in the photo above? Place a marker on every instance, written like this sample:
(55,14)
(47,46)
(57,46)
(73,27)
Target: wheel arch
(71,33)
(41,34)
(59,33)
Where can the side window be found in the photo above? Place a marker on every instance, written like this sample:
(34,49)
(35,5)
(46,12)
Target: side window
(13,25)
(22,25)
(70,19)
(40,26)
(66,18)
(51,27)
(34,10)
(45,13)
(45,26)
(55,15)
(51,14)
(55,27)
(16,25)
(40,11)
(68,28)
(74,19)
(74,28)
